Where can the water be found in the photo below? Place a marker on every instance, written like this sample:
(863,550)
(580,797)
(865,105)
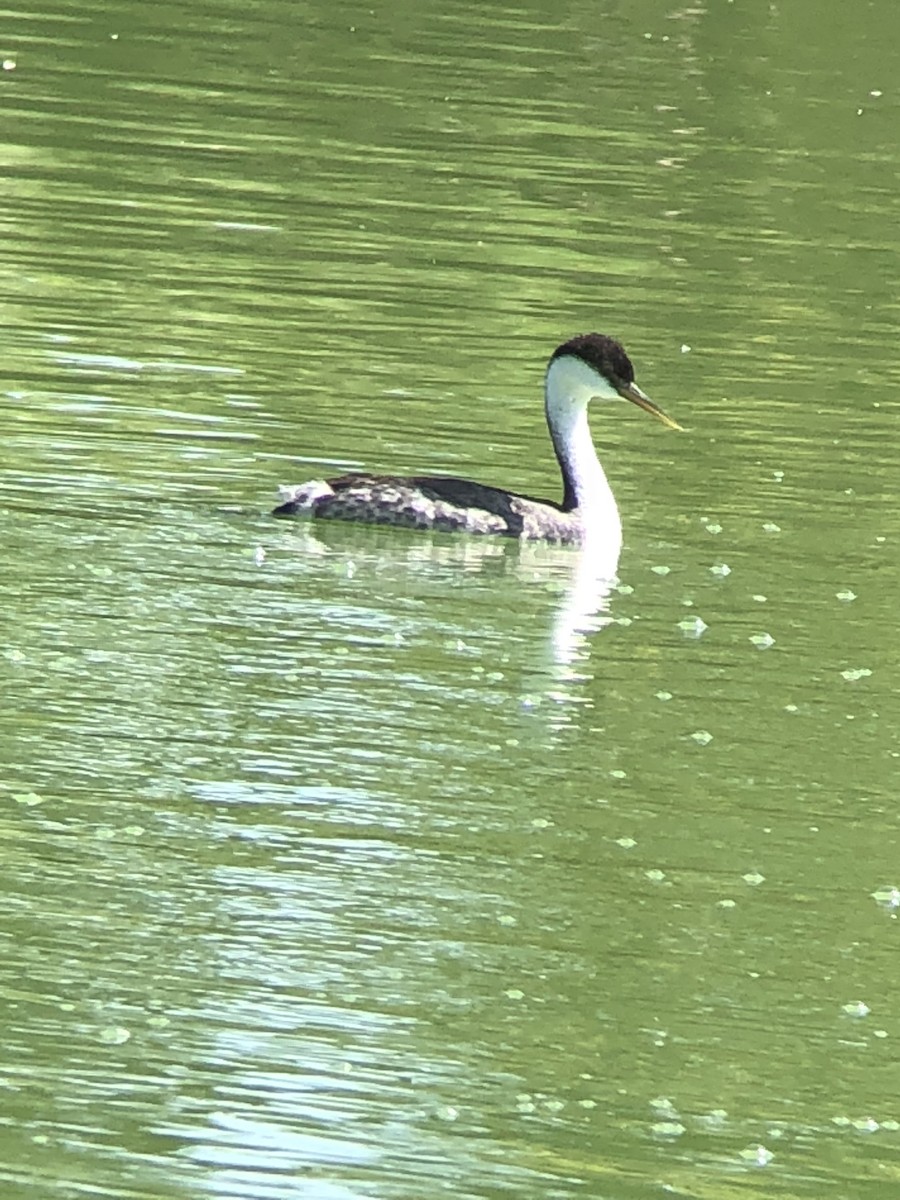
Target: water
(348,863)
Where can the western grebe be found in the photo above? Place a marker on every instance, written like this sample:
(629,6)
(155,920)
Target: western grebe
(588,367)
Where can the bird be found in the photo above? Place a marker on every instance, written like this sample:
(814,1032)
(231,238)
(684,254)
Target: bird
(590,366)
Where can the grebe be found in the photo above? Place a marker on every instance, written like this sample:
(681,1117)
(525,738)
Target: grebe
(589,367)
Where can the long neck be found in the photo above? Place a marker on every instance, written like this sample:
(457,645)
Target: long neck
(568,390)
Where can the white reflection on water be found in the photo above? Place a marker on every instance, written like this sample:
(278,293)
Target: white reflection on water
(116,362)
(585,607)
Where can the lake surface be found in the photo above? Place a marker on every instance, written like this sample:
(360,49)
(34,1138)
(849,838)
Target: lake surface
(346,863)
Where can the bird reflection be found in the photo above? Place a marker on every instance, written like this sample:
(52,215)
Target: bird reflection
(561,595)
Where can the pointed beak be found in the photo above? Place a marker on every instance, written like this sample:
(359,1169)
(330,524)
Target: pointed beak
(631,391)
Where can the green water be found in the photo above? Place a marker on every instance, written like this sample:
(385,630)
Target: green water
(346,863)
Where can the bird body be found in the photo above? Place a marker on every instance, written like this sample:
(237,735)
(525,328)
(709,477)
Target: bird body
(591,366)
(430,502)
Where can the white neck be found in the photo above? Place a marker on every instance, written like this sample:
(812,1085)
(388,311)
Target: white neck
(570,385)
